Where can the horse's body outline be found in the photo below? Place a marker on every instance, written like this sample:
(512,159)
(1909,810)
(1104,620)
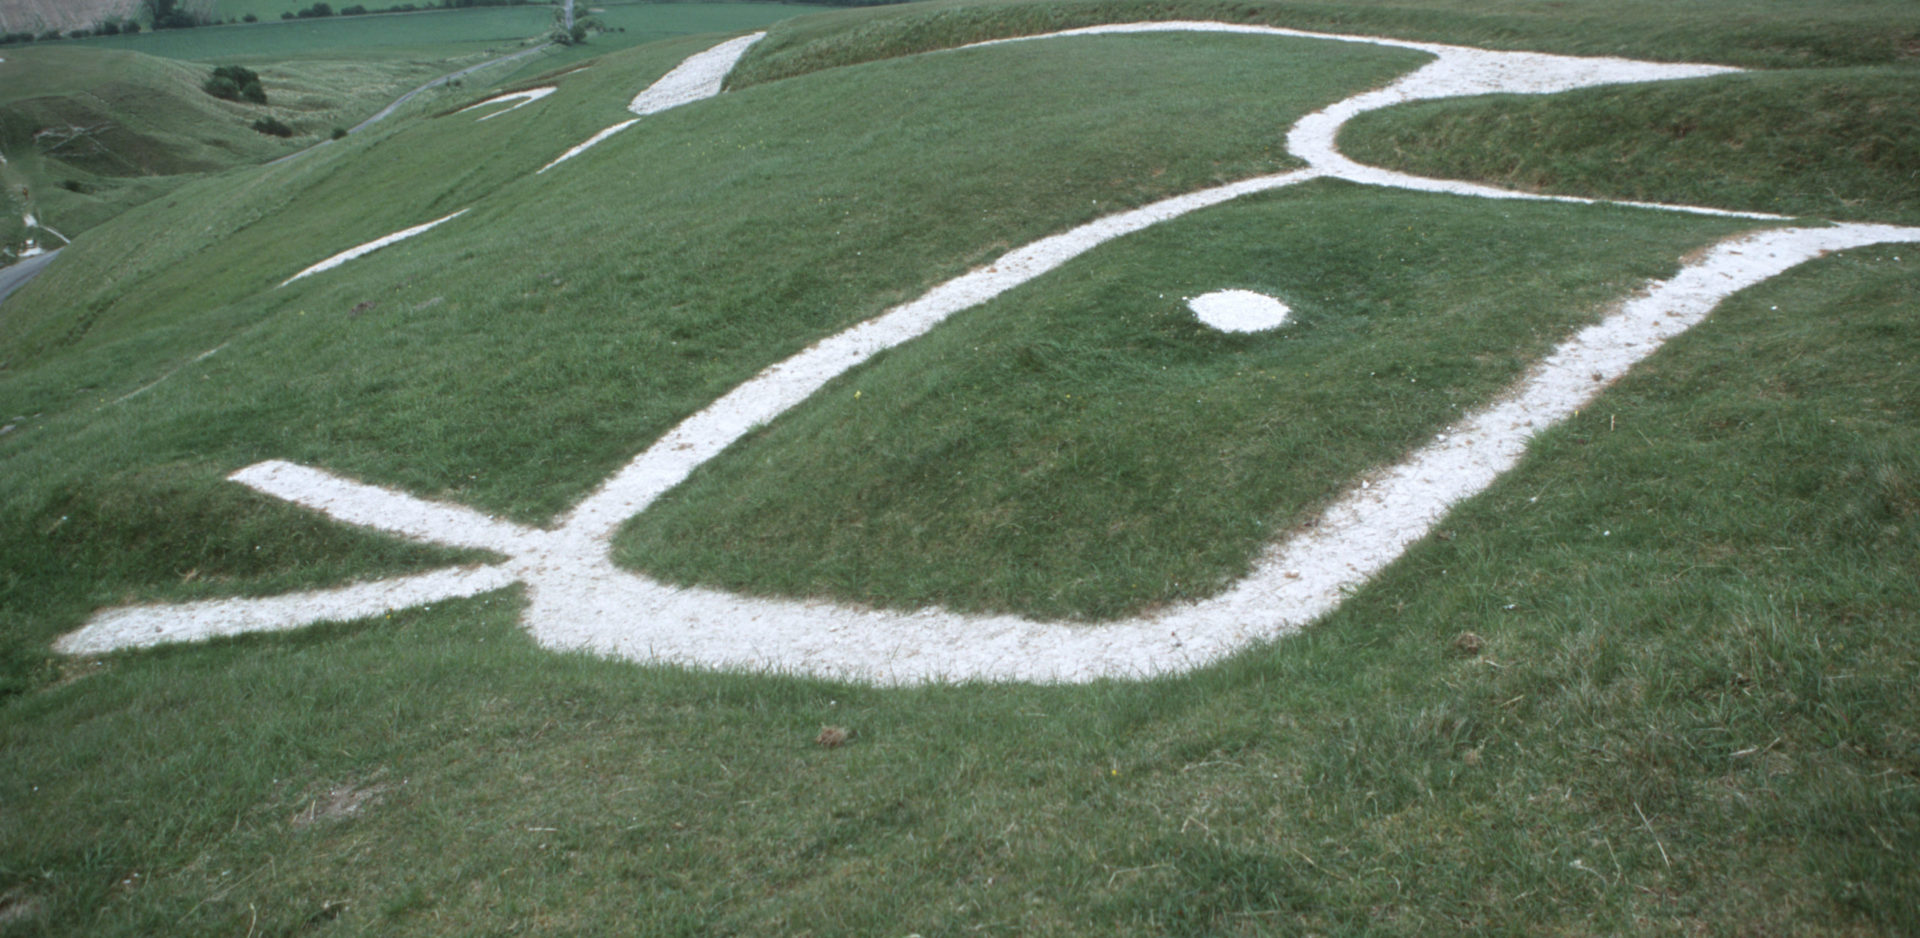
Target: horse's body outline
(577,599)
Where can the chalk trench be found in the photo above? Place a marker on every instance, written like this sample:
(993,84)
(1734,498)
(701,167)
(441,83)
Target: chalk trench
(577,599)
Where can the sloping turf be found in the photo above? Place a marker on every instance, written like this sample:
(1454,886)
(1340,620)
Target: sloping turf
(1691,708)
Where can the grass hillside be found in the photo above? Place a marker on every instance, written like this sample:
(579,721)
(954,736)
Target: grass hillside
(1849,130)
(91,128)
(438,34)
(89,133)
(1752,33)
(37,16)
(1657,680)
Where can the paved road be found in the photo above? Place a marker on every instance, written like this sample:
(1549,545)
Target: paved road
(14,277)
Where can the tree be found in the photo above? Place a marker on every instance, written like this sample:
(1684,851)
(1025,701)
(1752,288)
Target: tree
(167,14)
(236,83)
(568,31)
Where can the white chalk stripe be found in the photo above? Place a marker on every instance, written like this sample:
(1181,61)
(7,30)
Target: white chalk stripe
(696,78)
(590,144)
(1292,583)
(143,626)
(385,510)
(372,246)
(524,97)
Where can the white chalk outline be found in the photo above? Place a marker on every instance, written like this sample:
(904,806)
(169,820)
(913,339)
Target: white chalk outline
(577,599)
(524,97)
(372,246)
(697,78)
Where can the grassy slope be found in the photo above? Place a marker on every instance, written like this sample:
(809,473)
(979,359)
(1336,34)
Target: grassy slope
(161,129)
(1084,447)
(1693,712)
(151,127)
(1755,33)
(1832,142)
(37,16)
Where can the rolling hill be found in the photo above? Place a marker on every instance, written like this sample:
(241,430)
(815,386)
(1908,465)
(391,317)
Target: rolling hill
(1655,678)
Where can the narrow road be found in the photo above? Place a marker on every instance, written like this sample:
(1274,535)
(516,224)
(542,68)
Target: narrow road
(389,109)
(403,99)
(14,277)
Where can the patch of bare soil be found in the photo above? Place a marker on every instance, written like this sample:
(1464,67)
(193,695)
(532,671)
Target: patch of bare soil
(340,802)
(17,906)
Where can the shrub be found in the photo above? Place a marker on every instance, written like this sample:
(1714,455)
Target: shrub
(270,126)
(167,14)
(250,18)
(236,83)
(109,28)
(339,133)
(75,185)
(50,35)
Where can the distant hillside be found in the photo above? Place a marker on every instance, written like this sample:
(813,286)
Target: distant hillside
(40,15)
(88,133)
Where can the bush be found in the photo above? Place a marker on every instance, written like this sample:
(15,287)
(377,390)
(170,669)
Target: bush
(339,133)
(109,28)
(236,83)
(75,185)
(50,35)
(250,18)
(268,125)
(130,27)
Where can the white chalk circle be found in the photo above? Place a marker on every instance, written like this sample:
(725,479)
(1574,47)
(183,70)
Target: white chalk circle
(1239,310)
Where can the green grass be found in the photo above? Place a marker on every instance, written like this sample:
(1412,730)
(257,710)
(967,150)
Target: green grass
(631,24)
(437,34)
(1835,143)
(615,264)
(1755,33)
(1085,447)
(1732,664)
(161,130)
(149,127)
(1692,712)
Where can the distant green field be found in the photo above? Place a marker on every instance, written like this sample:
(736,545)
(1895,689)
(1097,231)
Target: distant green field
(89,133)
(435,32)
(271,9)
(441,33)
